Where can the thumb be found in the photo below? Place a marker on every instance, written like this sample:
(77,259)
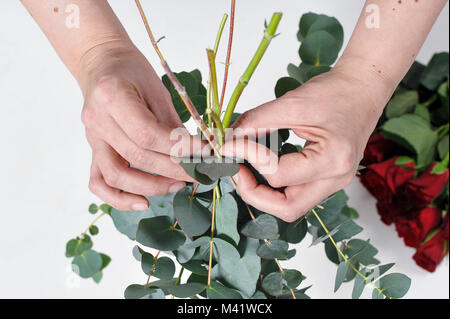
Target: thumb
(261,120)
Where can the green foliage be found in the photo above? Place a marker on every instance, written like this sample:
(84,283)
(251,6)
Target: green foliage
(231,250)
(416,118)
(192,81)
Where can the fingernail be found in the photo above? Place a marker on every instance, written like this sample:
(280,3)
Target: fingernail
(176,187)
(236,178)
(139,207)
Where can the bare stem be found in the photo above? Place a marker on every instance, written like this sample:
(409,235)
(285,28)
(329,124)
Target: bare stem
(211,243)
(245,78)
(178,87)
(227,62)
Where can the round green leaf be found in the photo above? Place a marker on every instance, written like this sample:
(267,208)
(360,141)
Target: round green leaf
(93,208)
(187,290)
(285,85)
(319,48)
(192,217)
(75,247)
(87,264)
(158,233)
(293,278)
(139,291)
(394,285)
(274,249)
(273,284)
(263,227)
(219,291)
(93,230)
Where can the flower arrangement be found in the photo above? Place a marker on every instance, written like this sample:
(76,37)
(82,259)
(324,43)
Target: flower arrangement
(407,161)
(230,249)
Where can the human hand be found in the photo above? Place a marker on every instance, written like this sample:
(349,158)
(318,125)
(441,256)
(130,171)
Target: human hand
(128,115)
(335,113)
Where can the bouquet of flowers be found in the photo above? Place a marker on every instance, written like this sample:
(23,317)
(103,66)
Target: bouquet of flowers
(406,161)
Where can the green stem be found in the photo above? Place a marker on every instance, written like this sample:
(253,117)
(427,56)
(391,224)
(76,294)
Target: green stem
(92,224)
(216,47)
(245,78)
(179,276)
(219,33)
(230,44)
(443,130)
(211,243)
(213,78)
(340,251)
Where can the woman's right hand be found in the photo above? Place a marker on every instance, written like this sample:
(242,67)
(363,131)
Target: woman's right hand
(128,115)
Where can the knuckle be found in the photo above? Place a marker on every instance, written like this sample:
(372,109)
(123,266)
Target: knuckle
(113,177)
(146,138)
(275,180)
(137,157)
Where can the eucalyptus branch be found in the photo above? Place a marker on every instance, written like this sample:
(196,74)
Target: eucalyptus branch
(154,268)
(178,87)
(341,253)
(267,243)
(227,62)
(245,78)
(92,224)
(211,243)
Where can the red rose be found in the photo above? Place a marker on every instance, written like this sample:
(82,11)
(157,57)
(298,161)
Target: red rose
(383,179)
(430,254)
(424,189)
(391,212)
(378,149)
(414,230)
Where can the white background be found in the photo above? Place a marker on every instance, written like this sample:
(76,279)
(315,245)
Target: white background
(45,159)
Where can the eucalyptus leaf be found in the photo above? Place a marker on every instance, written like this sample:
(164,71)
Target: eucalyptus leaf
(158,233)
(319,48)
(394,285)
(226,217)
(273,249)
(340,274)
(192,217)
(87,264)
(263,227)
(219,291)
(187,290)
(240,273)
(273,284)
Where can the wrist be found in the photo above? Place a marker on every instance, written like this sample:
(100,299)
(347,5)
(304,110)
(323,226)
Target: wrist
(368,79)
(95,61)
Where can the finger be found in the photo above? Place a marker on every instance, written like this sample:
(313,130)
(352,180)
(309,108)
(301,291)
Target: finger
(290,169)
(146,160)
(134,117)
(117,174)
(290,204)
(158,98)
(114,197)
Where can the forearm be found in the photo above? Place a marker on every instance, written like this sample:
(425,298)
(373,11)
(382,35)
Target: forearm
(380,55)
(98,27)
